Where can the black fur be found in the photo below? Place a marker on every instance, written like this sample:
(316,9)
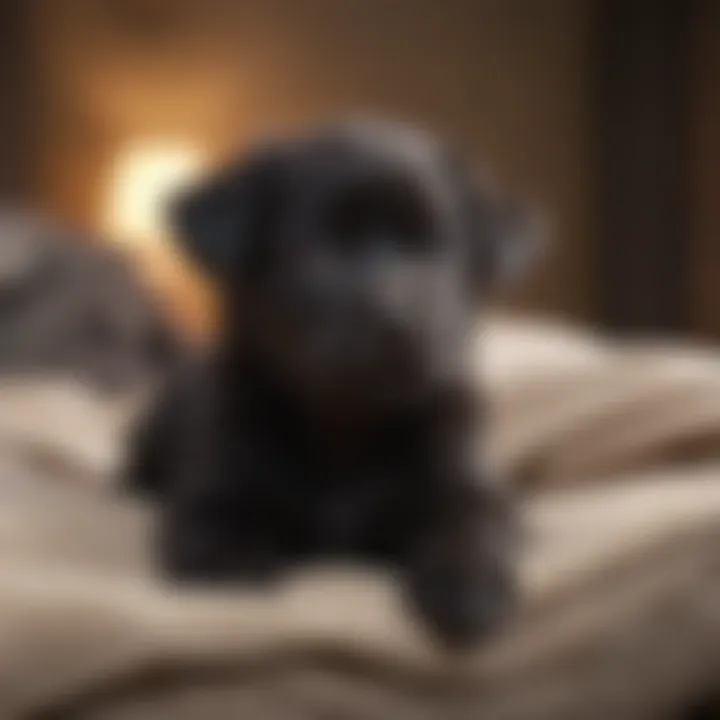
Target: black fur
(337,415)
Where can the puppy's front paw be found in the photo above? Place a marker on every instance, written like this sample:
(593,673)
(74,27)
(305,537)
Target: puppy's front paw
(462,575)
(197,558)
(218,571)
(462,606)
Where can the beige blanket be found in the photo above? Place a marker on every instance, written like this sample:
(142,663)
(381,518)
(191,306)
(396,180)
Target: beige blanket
(621,610)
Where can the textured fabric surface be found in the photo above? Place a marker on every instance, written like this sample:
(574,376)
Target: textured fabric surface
(620,615)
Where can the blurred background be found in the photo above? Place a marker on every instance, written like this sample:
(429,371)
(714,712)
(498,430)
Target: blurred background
(607,112)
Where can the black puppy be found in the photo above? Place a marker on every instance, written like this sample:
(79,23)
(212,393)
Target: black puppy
(337,415)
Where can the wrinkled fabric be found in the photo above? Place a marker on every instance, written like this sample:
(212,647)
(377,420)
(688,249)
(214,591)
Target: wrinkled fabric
(620,615)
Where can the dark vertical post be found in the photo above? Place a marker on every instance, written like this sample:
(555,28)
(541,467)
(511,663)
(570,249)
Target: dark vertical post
(644,250)
(19,142)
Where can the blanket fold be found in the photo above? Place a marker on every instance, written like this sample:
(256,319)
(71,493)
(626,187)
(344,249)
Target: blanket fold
(620,616)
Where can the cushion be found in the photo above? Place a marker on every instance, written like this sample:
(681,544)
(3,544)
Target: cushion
(621,573)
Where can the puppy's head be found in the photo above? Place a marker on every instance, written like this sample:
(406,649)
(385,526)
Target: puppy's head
(359,254)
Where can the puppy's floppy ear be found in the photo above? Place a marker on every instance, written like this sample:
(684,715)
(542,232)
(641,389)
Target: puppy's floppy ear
(505,235)
(507,238)
(222,221)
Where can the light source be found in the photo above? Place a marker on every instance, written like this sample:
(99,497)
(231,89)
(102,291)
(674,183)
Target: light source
(144,175)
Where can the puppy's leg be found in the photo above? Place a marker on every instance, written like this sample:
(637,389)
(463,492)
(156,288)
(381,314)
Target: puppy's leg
(163,434)
(460,572)
(150,451)
(215,518)
(212,535)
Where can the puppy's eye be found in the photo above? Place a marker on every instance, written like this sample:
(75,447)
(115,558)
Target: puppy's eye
(379,214)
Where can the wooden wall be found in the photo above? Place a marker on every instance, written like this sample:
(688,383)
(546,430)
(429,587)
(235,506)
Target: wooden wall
(20,136)
(508,78)
(705,162)
(521,83)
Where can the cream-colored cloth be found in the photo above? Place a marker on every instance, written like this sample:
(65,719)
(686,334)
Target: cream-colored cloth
(621,610)
(569,404)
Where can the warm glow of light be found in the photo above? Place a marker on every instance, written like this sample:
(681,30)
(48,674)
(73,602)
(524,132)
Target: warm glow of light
(143,177)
